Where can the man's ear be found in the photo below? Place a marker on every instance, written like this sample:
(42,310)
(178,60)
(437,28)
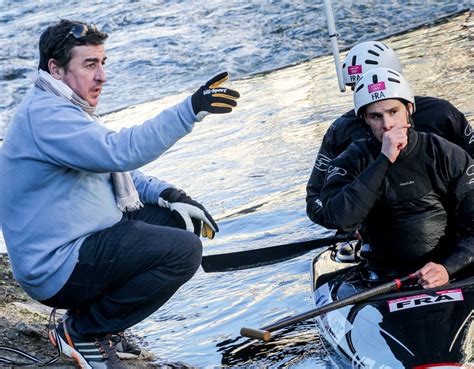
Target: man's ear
(53,68)
(410,108)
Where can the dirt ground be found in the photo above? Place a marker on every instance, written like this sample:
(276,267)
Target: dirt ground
(23,325)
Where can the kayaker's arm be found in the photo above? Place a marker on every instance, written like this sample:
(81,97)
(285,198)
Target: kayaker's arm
(463,132)
(454,170)
(314,208)
(462,257)
(352,186)
(340,134)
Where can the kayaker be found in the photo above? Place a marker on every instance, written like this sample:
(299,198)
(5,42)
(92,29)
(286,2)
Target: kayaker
(432,115)
(84,228)
(412,191)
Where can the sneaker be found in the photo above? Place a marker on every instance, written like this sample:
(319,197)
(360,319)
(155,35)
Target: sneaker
(125,348)
(88,353)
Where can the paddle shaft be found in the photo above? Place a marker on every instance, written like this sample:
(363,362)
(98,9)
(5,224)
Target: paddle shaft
(266,255)
(265,335)
(333,37)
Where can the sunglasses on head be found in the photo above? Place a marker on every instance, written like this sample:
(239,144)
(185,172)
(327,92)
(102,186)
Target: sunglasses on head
(78,31)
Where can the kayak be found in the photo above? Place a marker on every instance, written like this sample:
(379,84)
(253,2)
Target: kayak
(410,328)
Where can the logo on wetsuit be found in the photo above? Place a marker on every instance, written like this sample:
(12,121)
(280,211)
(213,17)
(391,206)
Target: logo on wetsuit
(322,162)
(470,173)
(468,132)
(335,171)
(407,183)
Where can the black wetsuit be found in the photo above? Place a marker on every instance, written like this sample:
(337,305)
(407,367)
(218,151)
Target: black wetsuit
(418,209)
(432,115)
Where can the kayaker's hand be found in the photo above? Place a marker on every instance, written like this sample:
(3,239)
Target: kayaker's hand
(432,275)
(394,141)
(211,98)
(188,212)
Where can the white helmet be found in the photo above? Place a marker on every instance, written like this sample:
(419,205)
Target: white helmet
(381,84)
(366,56)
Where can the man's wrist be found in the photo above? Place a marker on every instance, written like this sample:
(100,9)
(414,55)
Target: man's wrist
(385,158)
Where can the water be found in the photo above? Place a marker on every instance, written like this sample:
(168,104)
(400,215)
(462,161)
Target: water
(160,48)
(250,168)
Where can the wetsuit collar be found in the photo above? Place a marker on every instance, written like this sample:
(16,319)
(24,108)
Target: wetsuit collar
(376,146)
(412,141)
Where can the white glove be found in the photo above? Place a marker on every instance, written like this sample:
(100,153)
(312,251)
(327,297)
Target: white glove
(188,212)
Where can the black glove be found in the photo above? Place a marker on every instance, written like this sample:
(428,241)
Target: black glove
(188,212)
(211,98)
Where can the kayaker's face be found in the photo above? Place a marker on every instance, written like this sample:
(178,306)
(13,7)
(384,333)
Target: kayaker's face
(382,116)
(85,73)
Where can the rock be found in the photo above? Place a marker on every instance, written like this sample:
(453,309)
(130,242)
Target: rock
(30,330)
(11,335)
(37,308)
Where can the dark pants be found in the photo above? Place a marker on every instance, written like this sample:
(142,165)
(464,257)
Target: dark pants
(128,271)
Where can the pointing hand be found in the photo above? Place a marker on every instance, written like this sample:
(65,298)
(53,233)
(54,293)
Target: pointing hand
(211,98)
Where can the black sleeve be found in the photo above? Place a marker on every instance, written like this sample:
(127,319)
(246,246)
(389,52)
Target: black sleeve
(456,169)
(463,132)
(352,186)
(340,134)
(462,259)
(434,115)
(316,180)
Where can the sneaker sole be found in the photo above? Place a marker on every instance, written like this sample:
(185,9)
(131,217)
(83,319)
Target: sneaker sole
(126,355)
(70,352)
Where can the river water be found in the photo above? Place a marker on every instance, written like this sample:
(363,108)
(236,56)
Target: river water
(249,168)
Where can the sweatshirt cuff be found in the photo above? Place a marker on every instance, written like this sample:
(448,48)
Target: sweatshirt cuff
(185,109)
(159,190)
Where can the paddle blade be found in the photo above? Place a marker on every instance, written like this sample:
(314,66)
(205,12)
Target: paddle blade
(266,256)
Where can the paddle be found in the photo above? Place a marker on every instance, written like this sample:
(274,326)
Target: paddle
(265,335)
(267,255)
(333,37)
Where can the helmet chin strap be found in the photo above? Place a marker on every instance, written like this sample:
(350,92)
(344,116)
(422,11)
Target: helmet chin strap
(410,121)
(412,125)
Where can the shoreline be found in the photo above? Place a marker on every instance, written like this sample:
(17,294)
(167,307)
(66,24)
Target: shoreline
(23,326)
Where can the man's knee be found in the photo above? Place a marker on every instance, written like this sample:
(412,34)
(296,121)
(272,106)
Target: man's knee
(161,246)
(192,247)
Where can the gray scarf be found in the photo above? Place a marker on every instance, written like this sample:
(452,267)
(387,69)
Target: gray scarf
(126,193)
